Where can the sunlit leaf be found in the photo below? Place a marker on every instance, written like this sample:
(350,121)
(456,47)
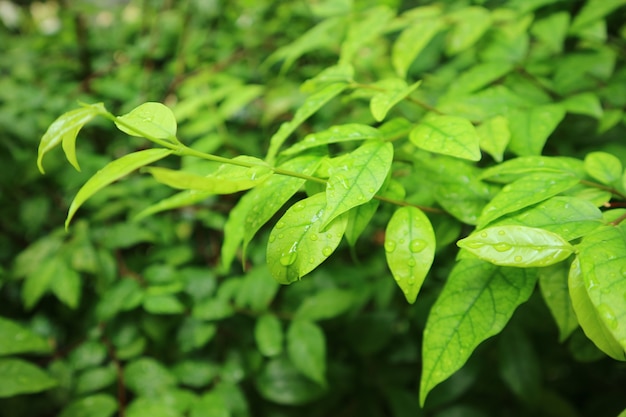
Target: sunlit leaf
(448,135)
(382,102)
(516,168)
(470,24)
(604,167)
(297,245)
(525,192)
(530,128)
(517,246)
(19,339)
(476,303)
(477,77)
(20,377)
(355,178)
(64,130)
(362,29)
(181,199)
(306,346)
(494,136)
(335,134)
(149,120)
(555,292)
(584,103)
(413,40)
(409,249)
(589,317)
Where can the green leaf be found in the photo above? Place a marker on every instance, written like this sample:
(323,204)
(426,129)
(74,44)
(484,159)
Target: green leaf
(525,192)
(477,77)
(257,290)
(98,405)
(111,172)
(336,134)
(18,339)
(413,40)
(592,11)
(483,104)
(332,75)
(516,168)
(306,346)
(280,382)
(147,377)
(363,29)
(555,292)
(149,120)
(194,334)
(325,304)
(519,366)
(519,246)
(477,301)
(39,281)
(151,407)
(96,379)
(552,30)
(20,377)
(409,249)
(64,130)
(67,285)
(210,405)
(448,135)
(163,304)
(227,179)
(181,199)
(530,128)
(470,24)
(355,178)
(589,317)
(268,333)
(384,101)
(358,219)
(602,256)
(587,104)
(494,136)
(604,167)
(297,245)
(312,104)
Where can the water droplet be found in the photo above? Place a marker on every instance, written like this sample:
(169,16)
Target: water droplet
(502,247)
(327,251)
(411,281)
(371,190)
(313,237)
(280,225)
(483,234)
(475,245)
(411,262)
(608,316)
(311,260)
(518,258)
(390,245)
(280,236)
(299,206)
(329,235)
(501,232)
(272,238)
(417,245)
(289,258)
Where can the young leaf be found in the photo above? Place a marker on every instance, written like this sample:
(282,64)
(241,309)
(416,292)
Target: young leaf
(64,130)
(111,172)
(358,219)
(20,377)
(409,249)
(363,28)
(470,24)
(477,301)
(312,104)
(604,167)
(297,245)
(602,256)
(477,77)
(519,246)
(306,346)
(336,134)
(494,136)
(181,199)
(448,135)
(525,192)
(516,168)
(589,317)
(555,292)
(355,178)
(530,128)
(382,102)
(268,334)
(149,120)
(412,41)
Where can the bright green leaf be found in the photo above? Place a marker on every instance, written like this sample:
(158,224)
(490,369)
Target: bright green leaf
(412,41)
(516,168)
(363,29)
(96,379)
(335,134)
(325,304)
(210,405)
(584,103)
(113,171)
(382,102)
(163,304)
(589,317)
(530,128)
(306,346)
(477,301)
(494,136)
(332,75)
(20,377)
(555,292)
(552,30)
(297,245)
(355,178)
(64,130)
(519,246)
(181,199)
(470,24)
(151,407)
(67,286)
(604,167)
(149,120)
(99,405)
(477,77)
(592,11)
(448,135)
(409,249)
(18,339)
(525,192)
(268,333)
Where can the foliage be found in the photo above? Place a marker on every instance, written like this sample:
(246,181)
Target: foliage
(446,173)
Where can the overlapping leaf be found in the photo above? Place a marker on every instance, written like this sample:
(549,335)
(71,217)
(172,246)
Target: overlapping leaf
(342,133)
(384,101)
(525,192)
(471,23)
(516,168)
(355,178)
(297,245)
(448,135)
(494,136)
(363,28)
(149,120)
(414,39)
(555,292)
(409,249)
(519,246)
(604,167)
(530,128)
(476,303)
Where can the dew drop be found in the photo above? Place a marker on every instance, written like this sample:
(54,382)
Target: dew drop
(288,258)
(327,251)
(411,262)
(608,316)
(371,190)
(313,237)
(502,247)
(401,241)
(483,234)
(329,235)
(280,225)
(272,238)
(475,245)
(417,245)
(501,232)
(390,246)
(280,236)
(299,206)
(518,258)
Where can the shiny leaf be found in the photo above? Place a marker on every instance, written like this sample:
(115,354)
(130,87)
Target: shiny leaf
(336,134)
(409,249)
(306,346)
(604,167)
(382,102)
(530,128)
(412,41)
(555,292)
(149,120)
(448,135)
(268,333)
(20,377)
(519,246)
(18,339)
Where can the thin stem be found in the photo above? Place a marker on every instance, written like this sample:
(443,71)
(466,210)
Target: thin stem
(617,221)
(604,187)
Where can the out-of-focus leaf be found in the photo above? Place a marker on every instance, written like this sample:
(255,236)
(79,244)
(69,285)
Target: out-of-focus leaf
(18,339)
(279,381)
(448,135)
(98,405)
(531,128)
(335,134)
(325,304)
(306,346)
(147,377)
(268,333)
(413,40)
(555,292)
(20,377)
(470,24)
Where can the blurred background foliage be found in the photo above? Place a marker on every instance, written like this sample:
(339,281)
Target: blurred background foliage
(136,318)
